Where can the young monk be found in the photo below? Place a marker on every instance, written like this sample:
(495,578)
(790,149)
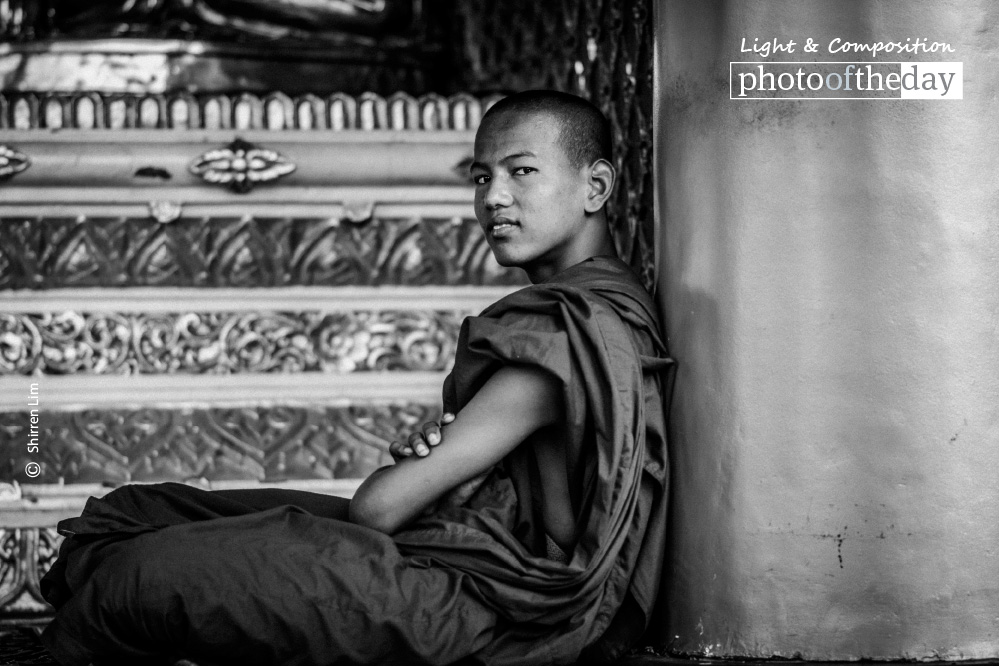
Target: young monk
(529,528)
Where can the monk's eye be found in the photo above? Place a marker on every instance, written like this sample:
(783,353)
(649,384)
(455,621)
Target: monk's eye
(480,179)
(523,171)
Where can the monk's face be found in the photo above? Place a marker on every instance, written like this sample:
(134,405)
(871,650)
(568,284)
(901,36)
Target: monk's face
(529,198)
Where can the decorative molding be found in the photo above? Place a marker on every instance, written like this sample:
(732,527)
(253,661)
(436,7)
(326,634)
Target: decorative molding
(245,252)
(289,202)
(224,342)
(276,112)
(12,162)
(155,165)
(241,166)
(26,554)
(462,298)
(45,505)
(165,211)
(85,392)
(278,201)
(64,497)
(262,443)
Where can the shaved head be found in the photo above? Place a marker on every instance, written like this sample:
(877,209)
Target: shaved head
(584,135)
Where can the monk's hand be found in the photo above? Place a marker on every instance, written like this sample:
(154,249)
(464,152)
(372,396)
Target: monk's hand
(420,442)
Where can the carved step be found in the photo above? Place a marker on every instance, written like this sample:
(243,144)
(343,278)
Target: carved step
(401,244)
(274,442)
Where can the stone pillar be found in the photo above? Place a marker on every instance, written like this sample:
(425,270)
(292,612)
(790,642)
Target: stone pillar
(829,276)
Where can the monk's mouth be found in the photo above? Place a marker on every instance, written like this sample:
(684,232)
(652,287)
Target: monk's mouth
(501,230)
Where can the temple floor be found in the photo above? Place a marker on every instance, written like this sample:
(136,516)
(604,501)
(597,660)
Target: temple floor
(21,646)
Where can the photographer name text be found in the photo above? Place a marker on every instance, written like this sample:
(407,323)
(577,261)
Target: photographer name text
(33,469)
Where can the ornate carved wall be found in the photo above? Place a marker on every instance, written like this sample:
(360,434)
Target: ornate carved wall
(224,290)
(233,253)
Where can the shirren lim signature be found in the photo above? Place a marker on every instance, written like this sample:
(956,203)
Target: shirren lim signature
(33,419)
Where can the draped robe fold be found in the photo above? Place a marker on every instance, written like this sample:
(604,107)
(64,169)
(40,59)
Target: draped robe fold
(166,570)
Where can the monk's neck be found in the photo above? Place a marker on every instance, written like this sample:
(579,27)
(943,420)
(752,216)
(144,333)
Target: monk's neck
(583,249)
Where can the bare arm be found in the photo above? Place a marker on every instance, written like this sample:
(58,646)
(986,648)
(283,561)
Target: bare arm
(512,404)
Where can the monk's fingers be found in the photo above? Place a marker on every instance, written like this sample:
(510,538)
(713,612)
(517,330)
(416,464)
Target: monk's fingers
(447,418)
(418,444)
(432,433)
(400,449)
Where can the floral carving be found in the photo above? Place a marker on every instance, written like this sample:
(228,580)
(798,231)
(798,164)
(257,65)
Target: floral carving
(113,343)
(241,166)
(270,443)
(12,162)
(25,555)
(256,252)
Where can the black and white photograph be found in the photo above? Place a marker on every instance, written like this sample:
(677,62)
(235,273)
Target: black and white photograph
(576,332)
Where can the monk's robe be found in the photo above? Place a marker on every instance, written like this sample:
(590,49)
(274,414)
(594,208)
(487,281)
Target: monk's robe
(170,571)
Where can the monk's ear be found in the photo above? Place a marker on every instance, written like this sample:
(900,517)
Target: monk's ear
(600,184)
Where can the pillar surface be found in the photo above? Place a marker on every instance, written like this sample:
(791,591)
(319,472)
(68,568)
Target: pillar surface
(829,277)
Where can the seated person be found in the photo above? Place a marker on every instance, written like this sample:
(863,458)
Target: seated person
(529,527)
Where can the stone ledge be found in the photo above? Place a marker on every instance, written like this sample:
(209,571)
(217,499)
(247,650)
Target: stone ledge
(44,505)
(87,392)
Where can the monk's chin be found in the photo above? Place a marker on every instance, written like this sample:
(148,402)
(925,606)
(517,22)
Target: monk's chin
(507,259)
(510,255)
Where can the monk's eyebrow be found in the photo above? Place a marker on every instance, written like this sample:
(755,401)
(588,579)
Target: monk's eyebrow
(514,156)
(508,158)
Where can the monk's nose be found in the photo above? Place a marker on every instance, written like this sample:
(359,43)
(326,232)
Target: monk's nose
(497,195)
